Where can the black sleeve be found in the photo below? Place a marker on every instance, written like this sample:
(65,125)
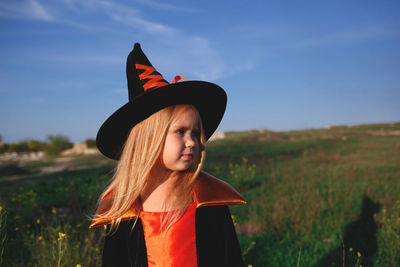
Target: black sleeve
(125,247)
(217,243)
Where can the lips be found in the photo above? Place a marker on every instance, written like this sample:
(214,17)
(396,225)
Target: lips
(187,156)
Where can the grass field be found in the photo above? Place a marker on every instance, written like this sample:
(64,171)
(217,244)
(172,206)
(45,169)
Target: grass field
(315,198)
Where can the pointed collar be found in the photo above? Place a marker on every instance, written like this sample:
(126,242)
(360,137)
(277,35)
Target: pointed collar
(207,191)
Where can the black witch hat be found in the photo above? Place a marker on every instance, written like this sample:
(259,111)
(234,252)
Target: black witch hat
(149,92)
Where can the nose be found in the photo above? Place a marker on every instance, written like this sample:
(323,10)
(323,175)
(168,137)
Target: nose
(190,142)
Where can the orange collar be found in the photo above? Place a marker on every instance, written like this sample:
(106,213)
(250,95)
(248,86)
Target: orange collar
(207,191)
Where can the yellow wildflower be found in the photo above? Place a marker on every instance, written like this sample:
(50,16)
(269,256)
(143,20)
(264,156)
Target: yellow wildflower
(16,228)
(40,238)
(38,221)
(53,210)
(358,254)
(78,265)
(61,236)
(1,208)
(350,249)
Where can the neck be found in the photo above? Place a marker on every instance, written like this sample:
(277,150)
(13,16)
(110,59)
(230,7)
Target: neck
(159,192)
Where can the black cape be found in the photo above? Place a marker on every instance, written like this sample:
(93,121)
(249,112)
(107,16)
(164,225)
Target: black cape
(216,240)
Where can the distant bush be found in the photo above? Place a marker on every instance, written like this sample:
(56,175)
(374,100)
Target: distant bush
(57,143)
(22,146)
(91,143)
(4,148)
(29,145)
(35,145)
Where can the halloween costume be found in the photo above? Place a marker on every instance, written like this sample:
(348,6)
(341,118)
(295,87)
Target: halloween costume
(205,234)
(215,236)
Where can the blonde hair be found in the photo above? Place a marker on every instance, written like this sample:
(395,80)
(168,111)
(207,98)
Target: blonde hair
(140,154)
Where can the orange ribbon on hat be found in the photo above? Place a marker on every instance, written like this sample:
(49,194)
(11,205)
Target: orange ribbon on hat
(154,79)
(178,78)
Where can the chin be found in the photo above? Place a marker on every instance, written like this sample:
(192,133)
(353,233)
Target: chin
(186,169)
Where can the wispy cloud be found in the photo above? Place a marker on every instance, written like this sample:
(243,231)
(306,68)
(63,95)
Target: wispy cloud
(188,55)
(65,11)
(174,50)
(119,13)
(197,57)
(26,10)
(141,24)
(345,37)
(165,6)
(79,59)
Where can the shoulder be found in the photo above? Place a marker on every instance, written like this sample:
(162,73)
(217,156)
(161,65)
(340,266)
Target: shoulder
(211,191)
(207,191)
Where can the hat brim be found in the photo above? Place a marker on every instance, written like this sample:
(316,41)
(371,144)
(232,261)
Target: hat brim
(208,98)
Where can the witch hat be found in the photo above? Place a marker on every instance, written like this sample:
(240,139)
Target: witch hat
(148,93)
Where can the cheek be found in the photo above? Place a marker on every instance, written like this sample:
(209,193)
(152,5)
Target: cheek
(172,145)
(198,146)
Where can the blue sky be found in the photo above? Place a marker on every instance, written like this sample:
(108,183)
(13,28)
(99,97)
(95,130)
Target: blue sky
(284,64)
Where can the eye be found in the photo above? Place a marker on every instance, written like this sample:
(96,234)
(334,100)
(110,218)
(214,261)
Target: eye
(196,133)
(180,132)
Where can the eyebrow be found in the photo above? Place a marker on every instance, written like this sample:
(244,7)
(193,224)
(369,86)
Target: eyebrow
(195,128)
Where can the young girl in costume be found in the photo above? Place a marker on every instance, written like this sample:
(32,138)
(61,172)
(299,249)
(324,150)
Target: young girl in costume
(160,209)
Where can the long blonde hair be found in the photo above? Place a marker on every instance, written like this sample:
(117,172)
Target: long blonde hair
(141,152)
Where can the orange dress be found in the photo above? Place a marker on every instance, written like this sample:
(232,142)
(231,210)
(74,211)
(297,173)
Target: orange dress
(177,246)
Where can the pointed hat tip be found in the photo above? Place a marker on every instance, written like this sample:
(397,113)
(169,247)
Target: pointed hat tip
(137,46)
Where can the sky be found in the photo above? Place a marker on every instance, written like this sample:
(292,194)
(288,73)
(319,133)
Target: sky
(285,65)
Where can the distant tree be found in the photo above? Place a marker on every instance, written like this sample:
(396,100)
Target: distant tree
(29,145)
(35,145)
(12,148)
(4,148)
(21,146)
(91,143)
(57,143)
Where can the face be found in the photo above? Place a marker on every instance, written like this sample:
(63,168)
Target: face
(181,147)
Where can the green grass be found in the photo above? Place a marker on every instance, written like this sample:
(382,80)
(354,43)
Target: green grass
(41,206)
(315,198)
(310,190)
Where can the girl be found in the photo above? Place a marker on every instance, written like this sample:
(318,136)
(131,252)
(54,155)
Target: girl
(160,209)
